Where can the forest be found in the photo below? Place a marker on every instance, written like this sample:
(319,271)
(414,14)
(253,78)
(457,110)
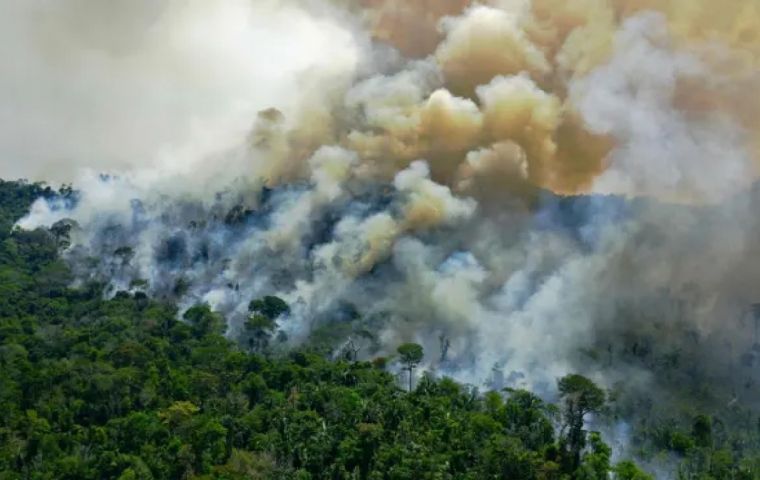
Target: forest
(122,388)
(125,388)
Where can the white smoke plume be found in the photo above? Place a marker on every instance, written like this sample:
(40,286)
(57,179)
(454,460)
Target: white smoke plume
(114,85)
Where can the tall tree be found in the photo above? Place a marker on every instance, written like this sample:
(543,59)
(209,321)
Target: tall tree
(261,324)
(269,306)
(581,397)
(204,321)
(259,329)
(411,355)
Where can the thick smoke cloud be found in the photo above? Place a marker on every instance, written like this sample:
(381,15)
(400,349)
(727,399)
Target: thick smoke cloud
(632,100)
(409,183)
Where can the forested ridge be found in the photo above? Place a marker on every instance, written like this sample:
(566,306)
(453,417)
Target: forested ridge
(124,388)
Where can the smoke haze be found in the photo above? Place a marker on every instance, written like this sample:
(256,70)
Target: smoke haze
(124,84)
(545,186)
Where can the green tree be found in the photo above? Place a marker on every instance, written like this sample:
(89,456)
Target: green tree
(410,354)
(203,321)
(701,431)
(269,306)
(580,397)
(259,329)
(596,461)
(627,470)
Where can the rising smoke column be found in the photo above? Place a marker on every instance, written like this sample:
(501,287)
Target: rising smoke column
(415,192)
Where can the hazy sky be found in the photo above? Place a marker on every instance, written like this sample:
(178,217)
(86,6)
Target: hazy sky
(87,83)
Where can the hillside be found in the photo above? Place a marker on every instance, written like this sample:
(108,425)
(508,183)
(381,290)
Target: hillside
(122,388)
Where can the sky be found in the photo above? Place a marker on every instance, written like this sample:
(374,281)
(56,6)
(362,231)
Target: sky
(125,83)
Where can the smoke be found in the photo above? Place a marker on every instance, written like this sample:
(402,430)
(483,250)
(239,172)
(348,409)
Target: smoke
(631,99)
(411,27)
(527,188)
(139,83)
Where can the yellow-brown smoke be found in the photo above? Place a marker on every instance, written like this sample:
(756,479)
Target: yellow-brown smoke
(485,97)
(410,26)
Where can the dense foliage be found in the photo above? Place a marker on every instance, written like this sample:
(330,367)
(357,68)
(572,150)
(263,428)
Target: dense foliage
(123,388)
